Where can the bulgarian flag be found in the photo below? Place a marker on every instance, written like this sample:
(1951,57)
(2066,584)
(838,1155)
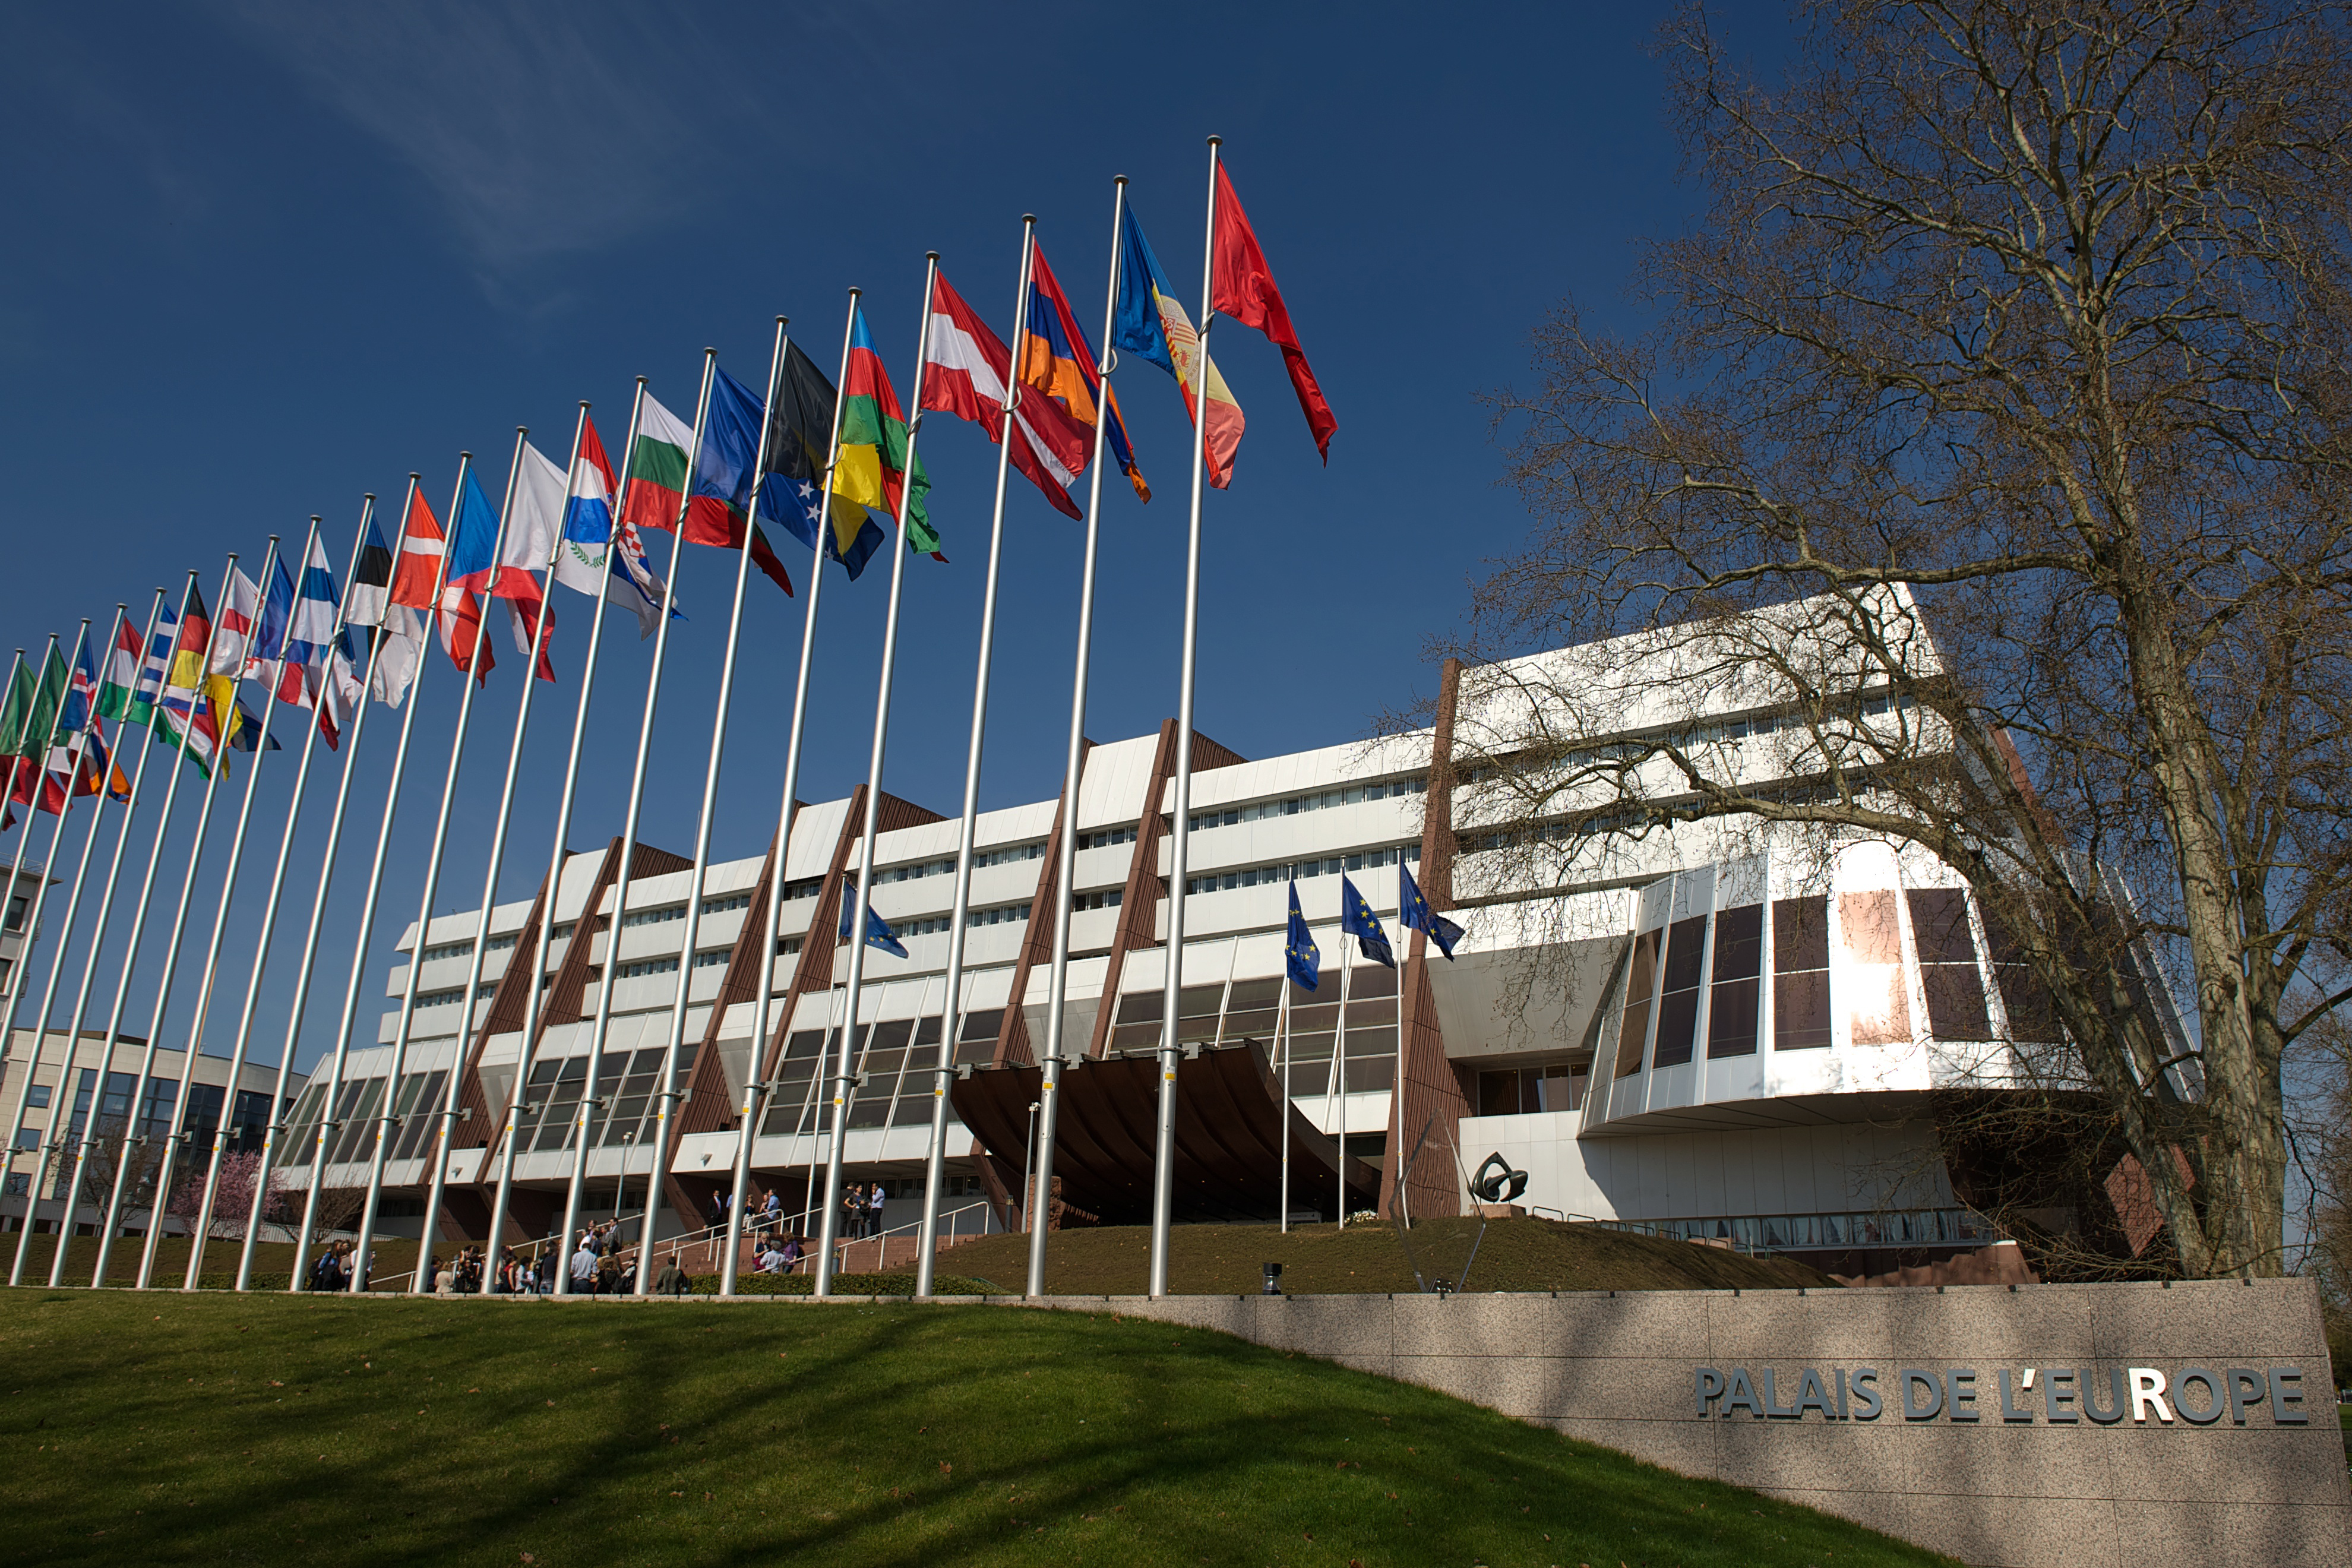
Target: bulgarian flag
(717,513)
(121,694)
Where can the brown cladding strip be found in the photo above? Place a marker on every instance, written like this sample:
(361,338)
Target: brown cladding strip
(1036,936)
(1429,1092)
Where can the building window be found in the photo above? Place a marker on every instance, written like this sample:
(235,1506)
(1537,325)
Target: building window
(1299,871)
(654,916)
(1633,1029)
(1738,963)
(1878,1012)
(722,905)
(645,966)
(1106,838)
(709,959)
(1948,965)
(1102,899)
(1320,800)
(1678,1002)
(1801,975)
(1523,1091)
(40,1096)
(803,887)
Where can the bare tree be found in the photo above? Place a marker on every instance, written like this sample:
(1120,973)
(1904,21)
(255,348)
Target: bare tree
(2007,359)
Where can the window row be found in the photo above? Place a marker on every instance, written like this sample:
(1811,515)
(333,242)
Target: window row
(1318,800)
(1288,870)
(1720,960)
(1106,838)
(1100,898)
(465,949)
(896,1061)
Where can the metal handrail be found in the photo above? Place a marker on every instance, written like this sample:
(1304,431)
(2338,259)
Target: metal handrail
(841,1245)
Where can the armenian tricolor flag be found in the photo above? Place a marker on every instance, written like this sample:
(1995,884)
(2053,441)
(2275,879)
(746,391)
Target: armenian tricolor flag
(1055,360)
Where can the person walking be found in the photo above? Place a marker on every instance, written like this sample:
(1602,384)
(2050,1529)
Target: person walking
(672,1280)
(584,1264)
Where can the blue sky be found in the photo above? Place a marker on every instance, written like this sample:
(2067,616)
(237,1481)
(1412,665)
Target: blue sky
(263,257)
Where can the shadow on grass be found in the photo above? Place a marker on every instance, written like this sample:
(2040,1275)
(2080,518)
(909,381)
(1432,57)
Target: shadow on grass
(167,1430)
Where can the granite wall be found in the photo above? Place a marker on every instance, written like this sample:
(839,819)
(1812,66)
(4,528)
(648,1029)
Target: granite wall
(1685,1379)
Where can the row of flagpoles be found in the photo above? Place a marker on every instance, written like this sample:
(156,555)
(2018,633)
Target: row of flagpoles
(820,458)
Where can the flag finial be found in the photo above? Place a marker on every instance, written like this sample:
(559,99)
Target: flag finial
(1216,141)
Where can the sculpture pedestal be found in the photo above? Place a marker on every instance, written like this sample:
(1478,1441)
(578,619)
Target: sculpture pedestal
(1501,1211)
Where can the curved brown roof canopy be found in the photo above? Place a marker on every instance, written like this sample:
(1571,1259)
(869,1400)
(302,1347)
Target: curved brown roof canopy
(1228,1137)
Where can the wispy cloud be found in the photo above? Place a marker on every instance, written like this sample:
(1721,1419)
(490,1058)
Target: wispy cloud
(541,129)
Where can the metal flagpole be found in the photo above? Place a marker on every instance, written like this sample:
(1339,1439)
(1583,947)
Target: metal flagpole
(584,1117)
(1163,1166)
(1335,1102)
(13,988)
(57,1098)
(516,1101)
(274,1126)
(180,1132)
(329,1126)
(388,1115)
(133,1135)
(1282,1076)
(755,1091)
(445,1120)
(69,1165)
(670,1094)
(1396,1078)
(131,949)
(950,1006)
(1065,849)
(829,1223)
(222,1135)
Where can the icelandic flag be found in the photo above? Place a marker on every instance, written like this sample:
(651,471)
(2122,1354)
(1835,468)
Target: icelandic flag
(878,933)
(473,557)
(1357,920)
(482,564)
(1304,959)
(1413,914)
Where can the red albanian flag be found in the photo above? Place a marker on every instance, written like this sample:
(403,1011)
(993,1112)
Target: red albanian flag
(1241,285)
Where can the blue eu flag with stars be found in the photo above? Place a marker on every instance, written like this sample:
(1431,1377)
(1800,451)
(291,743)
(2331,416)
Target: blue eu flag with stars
(1413,914)
(1305,958)
(1357,920)
(878,933)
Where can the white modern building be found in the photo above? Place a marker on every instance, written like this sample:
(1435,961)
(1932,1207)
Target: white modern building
(1725,1034)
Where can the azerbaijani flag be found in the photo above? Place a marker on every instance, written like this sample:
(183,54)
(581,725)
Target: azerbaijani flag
(1148,321)
(870,473)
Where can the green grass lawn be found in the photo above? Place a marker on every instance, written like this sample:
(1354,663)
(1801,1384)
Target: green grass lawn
(1322,1259)
(209,1428)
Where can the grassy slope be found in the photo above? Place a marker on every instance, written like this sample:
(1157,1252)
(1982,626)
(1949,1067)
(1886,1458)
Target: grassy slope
(164,1429)
(272,1260)
(1516,1254)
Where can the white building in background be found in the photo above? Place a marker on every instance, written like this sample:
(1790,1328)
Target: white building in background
(1722,1034)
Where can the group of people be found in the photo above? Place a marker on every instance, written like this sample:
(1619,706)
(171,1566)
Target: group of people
(861,1211)
(332,1268)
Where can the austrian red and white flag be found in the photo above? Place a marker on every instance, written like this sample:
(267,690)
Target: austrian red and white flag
(965,370)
